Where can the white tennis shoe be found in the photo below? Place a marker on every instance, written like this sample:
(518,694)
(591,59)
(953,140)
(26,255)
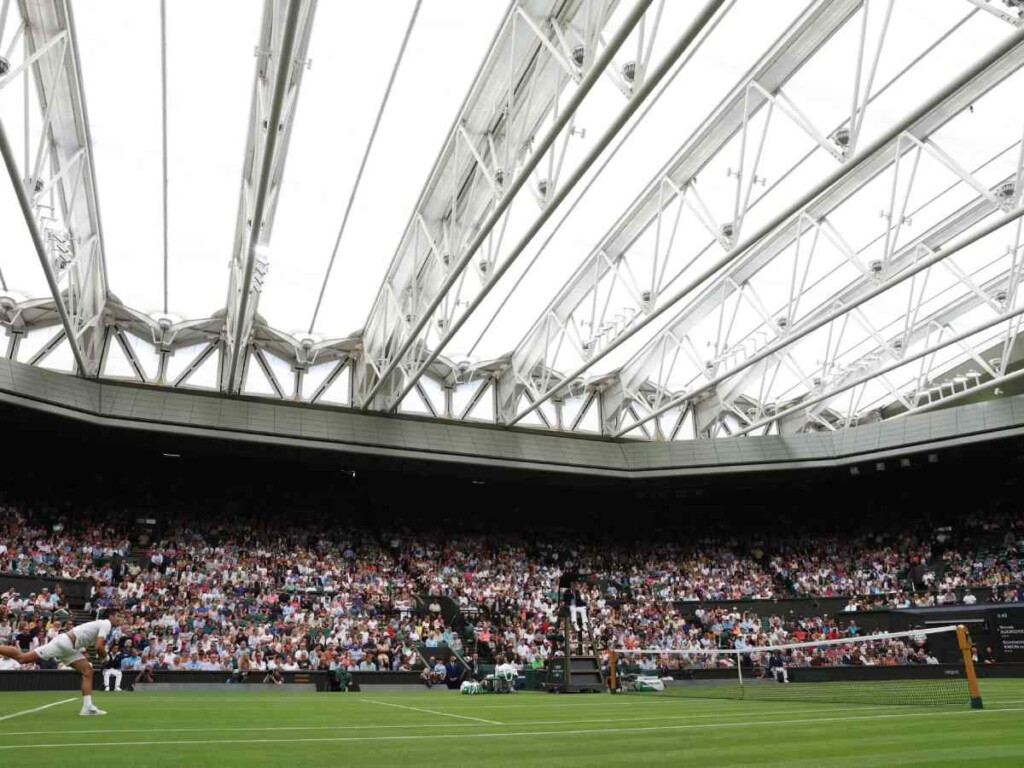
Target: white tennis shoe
(88,711)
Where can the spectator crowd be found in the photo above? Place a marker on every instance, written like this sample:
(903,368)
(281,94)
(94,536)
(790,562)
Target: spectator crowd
(259,594)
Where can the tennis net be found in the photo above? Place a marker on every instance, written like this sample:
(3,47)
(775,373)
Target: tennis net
(884,668)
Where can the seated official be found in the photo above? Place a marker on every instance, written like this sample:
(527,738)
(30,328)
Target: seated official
(112,673)
(342,678)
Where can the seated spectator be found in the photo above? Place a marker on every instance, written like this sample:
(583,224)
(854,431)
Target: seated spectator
(438,670)
(427,677)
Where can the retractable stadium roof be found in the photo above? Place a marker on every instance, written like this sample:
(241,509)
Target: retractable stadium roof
(639,218)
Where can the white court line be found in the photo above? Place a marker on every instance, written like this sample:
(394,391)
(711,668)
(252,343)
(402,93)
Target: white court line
(710,706)
(535,700)
(506,734)
(38,709)
(370,727)
(720,706)
(431,711)
(538,701)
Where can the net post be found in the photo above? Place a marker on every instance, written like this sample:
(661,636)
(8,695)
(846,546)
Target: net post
(739,668)
(972,677)
(612,672)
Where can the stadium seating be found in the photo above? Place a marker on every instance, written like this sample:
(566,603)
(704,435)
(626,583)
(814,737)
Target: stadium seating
(300,597)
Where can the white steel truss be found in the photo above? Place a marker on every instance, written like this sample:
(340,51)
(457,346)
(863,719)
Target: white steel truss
(581,314)
(511,135)
(652,79)
(921,342)
(55,182)
(759,355)
(747,257)
(280,63)
(842,363)
(739,361)
(855,367)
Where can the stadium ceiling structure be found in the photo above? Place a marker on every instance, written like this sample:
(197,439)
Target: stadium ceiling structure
(643,219)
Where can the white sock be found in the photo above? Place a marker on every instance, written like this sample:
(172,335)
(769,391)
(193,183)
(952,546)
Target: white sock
(86,702)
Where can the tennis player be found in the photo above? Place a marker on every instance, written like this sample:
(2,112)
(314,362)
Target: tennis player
(67,649)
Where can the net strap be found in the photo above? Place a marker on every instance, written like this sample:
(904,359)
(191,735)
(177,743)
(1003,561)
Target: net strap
(812,644)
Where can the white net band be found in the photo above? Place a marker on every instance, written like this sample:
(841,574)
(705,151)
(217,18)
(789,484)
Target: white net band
(880,636)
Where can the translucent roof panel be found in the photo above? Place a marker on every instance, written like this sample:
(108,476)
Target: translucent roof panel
(206,155)
(21,275)
(126,142)
(448,43)
(341,92)
(210,73)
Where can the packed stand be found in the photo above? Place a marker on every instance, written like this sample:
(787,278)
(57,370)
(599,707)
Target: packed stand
(264,594)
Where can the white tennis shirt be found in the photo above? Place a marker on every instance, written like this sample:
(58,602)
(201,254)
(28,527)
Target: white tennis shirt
(86,634)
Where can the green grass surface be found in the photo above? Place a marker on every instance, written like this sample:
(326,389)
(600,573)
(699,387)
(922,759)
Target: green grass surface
(271,727)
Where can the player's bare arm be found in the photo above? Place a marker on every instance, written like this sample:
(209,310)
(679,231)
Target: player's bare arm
(67,648)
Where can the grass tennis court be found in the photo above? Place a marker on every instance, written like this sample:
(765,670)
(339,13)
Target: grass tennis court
(270,727)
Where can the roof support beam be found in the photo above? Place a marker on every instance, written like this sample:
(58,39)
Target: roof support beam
(44,260)
(57,188)
(996,225)
(997,293)
(683,43)
(874,364)
(730,378)
(576,317)
(778,233)
(935,330)
(463,204)
(280,63)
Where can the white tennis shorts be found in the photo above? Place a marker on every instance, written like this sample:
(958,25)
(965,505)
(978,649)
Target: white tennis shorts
(61,650)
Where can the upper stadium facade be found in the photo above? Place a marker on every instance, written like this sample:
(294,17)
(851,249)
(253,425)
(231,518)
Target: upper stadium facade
(654,220)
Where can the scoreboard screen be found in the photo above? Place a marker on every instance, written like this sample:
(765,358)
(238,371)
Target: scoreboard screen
(1008,629)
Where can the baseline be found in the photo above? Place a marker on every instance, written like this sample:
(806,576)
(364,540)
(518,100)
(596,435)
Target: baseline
(37,709)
